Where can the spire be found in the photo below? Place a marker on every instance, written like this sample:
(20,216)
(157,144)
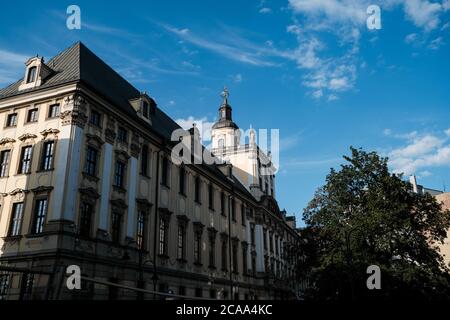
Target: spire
(225,115)
(225,94)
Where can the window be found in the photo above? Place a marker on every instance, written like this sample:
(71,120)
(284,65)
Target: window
(32,115)
(197,190)
(95,118)
(199,292)
(222,203)
(211,196)
(141,230)
(26,286)
(233,210)
(212,251)
(119,174)
(265,239)
(182,179)
(40,213)
(252,234)
(181,242)
(122,135)
(4,162)
(53,111)
(4,285)
(86,212)
(163,228)
(198,247)
(270,242)
(16,219)
(221,143)
(266,188)
(213,294)
(144,160)
(31,74)
(11,120)
(145,109)
(253,264)
(182,290)
(25,160)
(47,156)
(243,214)
(276,245)
(116,225)
(224,255)
(165,172)
(91,161)
(244,259)
(235,256)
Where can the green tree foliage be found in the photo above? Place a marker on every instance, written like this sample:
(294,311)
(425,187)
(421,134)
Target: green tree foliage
(364,215)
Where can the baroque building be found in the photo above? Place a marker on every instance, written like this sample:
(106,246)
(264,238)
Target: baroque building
(88,178)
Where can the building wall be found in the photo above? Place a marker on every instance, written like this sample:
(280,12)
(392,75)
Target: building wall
(444,198)
(68,186)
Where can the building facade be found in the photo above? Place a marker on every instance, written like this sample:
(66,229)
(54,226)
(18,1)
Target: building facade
(88,178)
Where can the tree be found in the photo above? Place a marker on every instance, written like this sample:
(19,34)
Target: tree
(363,216)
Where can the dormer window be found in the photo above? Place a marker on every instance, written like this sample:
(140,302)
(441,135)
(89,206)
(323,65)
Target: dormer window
(36,72)
(145,109)
(31,74)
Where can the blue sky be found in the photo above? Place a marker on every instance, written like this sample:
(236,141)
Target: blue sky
(311,69)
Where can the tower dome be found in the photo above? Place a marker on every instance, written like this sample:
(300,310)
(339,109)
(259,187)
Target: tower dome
(225,113)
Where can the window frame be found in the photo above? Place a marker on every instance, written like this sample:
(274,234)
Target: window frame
(15,224)
(5,162)
(39,216)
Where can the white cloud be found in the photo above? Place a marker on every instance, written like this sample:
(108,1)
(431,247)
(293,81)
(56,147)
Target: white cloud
(333,10)
(423,13)
(447,132)
(435,44)
(12,66)
(203,125)
(265,10)
(420,152)
(411,38)
(241,51)
(387,132)
(237,78)
(424,174)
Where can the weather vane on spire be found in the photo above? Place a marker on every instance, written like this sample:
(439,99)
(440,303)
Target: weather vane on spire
(225,94)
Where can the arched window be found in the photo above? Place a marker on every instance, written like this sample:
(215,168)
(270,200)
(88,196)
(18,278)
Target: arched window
(31,74)
(221,143)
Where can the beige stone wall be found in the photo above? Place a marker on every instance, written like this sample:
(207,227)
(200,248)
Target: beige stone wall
(444,198)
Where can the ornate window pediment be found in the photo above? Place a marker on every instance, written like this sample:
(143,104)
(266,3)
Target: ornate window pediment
(48,132)
(6,140)
(27,136)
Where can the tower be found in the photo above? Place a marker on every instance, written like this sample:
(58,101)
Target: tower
(250,163)
(225,133)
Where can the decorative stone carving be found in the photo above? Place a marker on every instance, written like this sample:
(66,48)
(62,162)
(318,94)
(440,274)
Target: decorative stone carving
(47,132)
(110,131)
(27,136)
(95,140)
(135,145)
(74,111)
(18,194)
(6,140)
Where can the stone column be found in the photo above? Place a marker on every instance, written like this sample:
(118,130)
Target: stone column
(132,187)
(110,136)
(68,162)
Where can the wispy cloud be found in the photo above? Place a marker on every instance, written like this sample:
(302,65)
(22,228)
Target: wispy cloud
(242,54)
(11,65)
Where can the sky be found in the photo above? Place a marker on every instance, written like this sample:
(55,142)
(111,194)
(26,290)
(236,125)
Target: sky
(310,68)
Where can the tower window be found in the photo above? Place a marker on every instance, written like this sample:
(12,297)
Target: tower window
(31,74)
